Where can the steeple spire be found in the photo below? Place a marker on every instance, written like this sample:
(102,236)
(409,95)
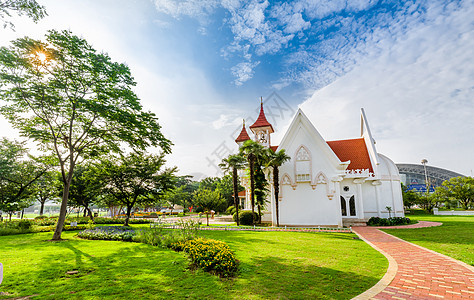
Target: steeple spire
(261,120)
(243,136)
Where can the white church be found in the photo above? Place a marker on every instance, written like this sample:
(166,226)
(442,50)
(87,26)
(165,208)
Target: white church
(327,183)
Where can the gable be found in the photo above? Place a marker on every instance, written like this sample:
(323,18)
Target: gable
(354,150)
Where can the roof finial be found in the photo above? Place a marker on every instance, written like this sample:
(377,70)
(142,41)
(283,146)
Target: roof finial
(243,121)
(261,100)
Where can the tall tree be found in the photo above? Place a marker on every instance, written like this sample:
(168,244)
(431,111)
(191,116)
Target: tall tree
(135,179)
(30,8)
(459,189)
(18,173)
(251,149)
(276,159)
(234,163)
(76,103)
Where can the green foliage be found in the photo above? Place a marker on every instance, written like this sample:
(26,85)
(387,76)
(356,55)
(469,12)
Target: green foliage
(84,189)
(230,210)
(246,217)
(208,200)
(112,233)
(30,8)
(136,179)
(74,102)
(394,221)
(158,235)
(457,189)
(211,255)
(18,173)
(410,197)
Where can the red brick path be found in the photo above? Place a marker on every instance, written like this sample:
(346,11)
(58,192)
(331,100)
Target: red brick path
(420,273)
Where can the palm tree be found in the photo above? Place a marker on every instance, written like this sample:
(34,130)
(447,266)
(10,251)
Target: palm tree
(275,161)
(251,149)
(234,162)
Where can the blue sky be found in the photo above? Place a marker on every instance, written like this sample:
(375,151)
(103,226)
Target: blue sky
(202,66)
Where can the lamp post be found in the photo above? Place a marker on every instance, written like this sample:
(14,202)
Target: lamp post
(424,161)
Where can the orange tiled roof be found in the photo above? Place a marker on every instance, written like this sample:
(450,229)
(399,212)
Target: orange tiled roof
(354,150)
(261,120)
(274,148)
(241,194)
(243,136)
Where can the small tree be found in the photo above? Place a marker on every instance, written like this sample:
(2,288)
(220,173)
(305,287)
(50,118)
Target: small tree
(410,197)
(84,190)
(18,173)
(74,102)
(208,200)
(459,189)
(135,179)
(46,188)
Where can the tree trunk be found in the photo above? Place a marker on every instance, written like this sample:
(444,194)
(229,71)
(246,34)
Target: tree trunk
(63,210)
(42,208)
(259,214)
(84,213)
(207,217)
(22,213)
(236,194)
(127,218)
(89,212)
(276,186)
(252,188)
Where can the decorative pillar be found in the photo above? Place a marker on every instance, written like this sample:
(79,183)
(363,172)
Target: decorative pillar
(376,184)
(360,199)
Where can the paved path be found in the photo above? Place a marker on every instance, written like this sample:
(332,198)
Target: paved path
(415,272)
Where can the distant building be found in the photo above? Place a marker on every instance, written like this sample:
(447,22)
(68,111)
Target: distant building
(331,183)
(413,176)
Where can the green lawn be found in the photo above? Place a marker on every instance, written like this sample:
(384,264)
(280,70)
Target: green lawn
(454,238)
(276,265)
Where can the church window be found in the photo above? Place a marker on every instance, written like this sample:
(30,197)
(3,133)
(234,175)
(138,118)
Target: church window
(303,165)
(352,207)
(346,188)
(343,206)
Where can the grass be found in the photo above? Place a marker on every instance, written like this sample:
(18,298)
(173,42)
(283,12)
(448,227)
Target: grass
(454,238)
(276,265)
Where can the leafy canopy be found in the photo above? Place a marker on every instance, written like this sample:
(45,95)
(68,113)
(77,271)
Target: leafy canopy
(30,8)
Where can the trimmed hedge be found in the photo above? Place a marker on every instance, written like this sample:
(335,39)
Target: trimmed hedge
(394,221)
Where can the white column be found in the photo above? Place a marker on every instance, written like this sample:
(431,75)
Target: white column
(359,199)
(376,185)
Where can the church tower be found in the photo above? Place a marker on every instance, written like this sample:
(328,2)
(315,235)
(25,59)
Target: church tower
(261,128)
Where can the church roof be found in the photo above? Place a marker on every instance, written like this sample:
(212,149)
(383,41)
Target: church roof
(261,120)
(274,148)
(354,150)
(243,136)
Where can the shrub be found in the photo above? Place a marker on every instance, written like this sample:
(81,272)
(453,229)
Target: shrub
(245,217)
(376,221)
(211,255)
(41,217)
(157,236)
(199,210)
(25,224)
(113,233)
(230,210)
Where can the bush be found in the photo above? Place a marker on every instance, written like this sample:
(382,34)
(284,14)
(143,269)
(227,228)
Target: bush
(41,217)
(376,221)
(210,255)
(199,210)
(113,233)
(25,224)
(157,236)
(230,210)
(245,217)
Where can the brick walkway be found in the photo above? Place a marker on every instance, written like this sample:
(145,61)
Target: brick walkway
(415,272)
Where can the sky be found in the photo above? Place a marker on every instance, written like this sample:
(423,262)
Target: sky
(202,66)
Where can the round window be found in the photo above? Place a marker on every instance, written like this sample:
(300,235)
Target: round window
(346,188)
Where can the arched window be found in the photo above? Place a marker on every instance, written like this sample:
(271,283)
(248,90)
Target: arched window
(343,206)
(352,206)
(303,165)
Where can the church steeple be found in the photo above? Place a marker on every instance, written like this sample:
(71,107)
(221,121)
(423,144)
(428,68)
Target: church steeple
(262,128)
(243,136)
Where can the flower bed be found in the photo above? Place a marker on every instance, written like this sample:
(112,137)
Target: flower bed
(112,233)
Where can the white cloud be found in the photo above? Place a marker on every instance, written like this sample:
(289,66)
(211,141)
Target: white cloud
(243,72)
